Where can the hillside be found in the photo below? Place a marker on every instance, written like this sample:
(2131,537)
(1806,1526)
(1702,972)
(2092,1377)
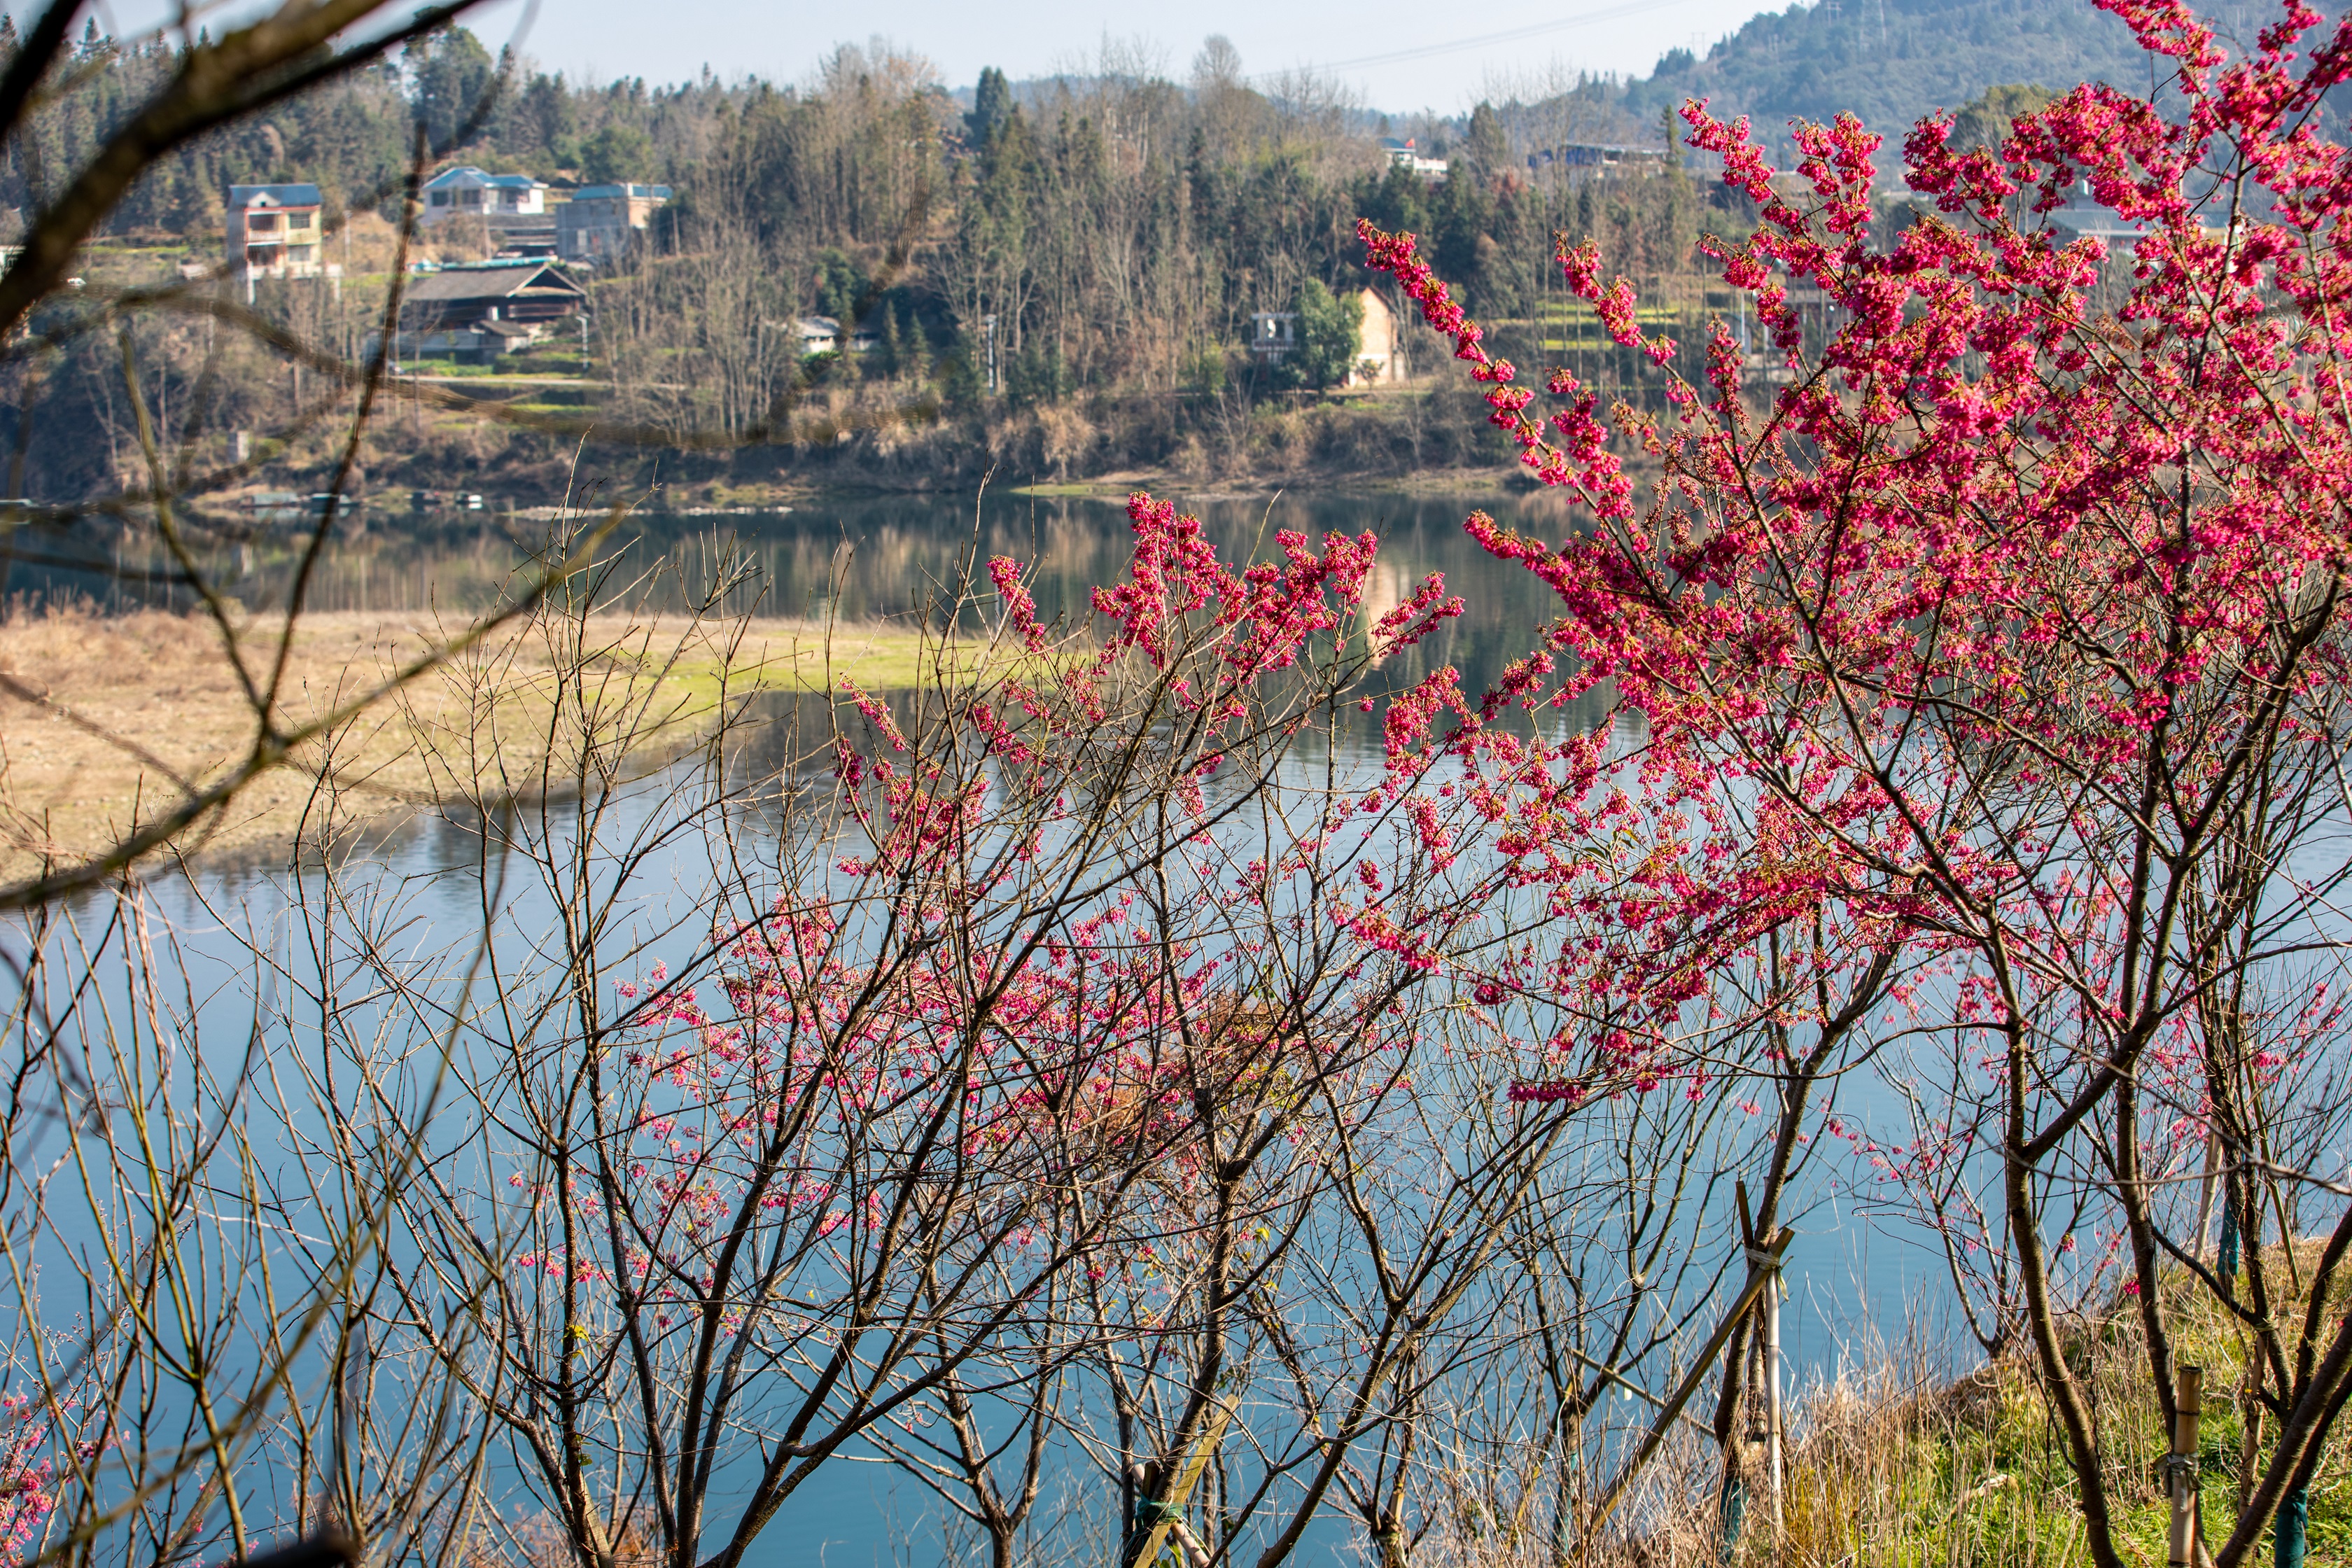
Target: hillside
(1063,279)
(1891,61)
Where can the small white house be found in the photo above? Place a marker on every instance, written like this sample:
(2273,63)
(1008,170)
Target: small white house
(1273,335)
(1407,156)
(466,192)
(818,335)
(822,335)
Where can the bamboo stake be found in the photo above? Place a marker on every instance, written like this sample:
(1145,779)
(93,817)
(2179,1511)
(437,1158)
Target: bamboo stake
(1772,1402)
(2183,1468)
(1171,1506)
(1757,1278)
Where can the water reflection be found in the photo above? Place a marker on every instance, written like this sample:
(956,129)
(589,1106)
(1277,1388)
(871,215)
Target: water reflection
(857,559)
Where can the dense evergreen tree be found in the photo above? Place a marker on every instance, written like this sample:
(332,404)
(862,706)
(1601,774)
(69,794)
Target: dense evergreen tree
(1486,148)
(616,152)
(453,87)
(543,117)
(1987,121)
(1330,334)
(992,104)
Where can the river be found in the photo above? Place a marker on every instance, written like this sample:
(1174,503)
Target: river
(882,558)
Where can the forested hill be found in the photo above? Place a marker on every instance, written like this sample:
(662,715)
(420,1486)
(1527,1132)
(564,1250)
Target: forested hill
(1071,276)
(1893,61)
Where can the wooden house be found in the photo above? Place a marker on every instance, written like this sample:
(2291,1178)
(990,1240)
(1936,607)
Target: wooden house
(487,308)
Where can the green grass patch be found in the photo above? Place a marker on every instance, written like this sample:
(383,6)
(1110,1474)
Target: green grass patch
(876,659)
(1888,1470)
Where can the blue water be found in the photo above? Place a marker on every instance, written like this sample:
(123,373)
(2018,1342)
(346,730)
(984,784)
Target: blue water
(1857,1270)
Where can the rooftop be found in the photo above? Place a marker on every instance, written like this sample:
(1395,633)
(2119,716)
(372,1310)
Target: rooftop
(491,281)
(2085,216)
(2095,222)
(496,182)
(275,196)
(495,261)
(590,192)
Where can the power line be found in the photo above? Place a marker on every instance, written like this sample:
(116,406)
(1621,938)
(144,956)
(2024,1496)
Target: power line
(1487,40)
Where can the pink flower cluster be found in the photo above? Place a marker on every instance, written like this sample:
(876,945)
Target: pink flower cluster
(1988,517)
(1585,463)
(28,1474)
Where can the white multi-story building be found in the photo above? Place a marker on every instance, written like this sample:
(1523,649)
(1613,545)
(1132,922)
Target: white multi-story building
(466,192)
(1405,155)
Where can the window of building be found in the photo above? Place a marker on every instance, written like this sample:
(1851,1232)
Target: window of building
(261,223)
(300,253)
(469,198)
(298,220)
(440,198)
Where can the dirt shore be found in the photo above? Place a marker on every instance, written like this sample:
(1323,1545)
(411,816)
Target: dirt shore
(106,722)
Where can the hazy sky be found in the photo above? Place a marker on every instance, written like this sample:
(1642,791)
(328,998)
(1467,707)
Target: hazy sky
(1391,52)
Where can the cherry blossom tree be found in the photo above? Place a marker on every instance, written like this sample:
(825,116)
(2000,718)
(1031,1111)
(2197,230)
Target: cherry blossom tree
(1993,659)
(1034,1050)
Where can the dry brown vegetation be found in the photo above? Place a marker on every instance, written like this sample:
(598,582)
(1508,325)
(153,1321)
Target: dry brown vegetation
(107,721)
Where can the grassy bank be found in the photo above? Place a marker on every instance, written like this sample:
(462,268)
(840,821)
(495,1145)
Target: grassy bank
(1890,1464)
(115,717)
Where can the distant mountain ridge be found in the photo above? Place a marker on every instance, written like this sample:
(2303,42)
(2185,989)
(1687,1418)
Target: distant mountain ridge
(1894,61)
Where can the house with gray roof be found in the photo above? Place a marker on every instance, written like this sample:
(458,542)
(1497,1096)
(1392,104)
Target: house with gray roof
(600,224)
(274,231)
(486,309)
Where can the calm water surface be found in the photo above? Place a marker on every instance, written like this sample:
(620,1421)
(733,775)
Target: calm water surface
(900,558)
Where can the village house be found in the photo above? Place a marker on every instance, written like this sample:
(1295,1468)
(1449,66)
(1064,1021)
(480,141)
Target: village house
(1603,158)
(822,335)
(1379,347)
(1274,334)
(1405,155)
(485,309)
(2084,218)
(1379,358)
(466,192)
(274,230)
(603,224)
(818,335)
